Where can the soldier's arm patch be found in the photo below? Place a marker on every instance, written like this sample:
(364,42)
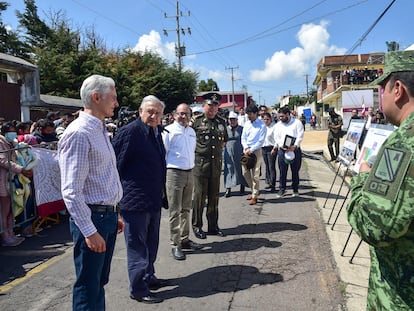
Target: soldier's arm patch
(388,172)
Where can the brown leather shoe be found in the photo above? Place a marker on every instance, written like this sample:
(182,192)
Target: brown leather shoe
(253,201)
(249,197)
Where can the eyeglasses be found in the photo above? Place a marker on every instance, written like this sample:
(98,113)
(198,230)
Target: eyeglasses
(182,113)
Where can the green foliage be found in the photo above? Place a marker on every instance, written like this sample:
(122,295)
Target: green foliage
(66,56)
(207,86)
(10,42)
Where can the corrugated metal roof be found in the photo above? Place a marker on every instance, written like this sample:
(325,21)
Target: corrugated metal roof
(12,62)
(60,101)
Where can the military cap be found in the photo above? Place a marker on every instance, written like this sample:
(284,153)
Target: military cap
(212,98)
(394,62)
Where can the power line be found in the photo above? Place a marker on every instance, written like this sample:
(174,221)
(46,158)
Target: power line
(255,38)
(358,43)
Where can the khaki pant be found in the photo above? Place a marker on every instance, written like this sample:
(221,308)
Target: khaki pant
(252,176)
(179,188)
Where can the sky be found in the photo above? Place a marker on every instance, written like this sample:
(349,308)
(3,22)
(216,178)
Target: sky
(269,47)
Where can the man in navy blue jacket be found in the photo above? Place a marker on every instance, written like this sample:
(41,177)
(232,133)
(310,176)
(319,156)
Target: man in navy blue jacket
(142,168)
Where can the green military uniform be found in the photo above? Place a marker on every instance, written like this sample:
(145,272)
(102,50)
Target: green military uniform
(211,134)
(381,211)
(334,135)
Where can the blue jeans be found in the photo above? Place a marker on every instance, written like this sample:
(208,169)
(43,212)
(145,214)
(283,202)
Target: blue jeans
(142,235)
(294,168)
(92,269)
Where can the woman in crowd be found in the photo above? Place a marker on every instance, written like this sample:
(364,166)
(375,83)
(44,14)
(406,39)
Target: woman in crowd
(8,167)
(232,154)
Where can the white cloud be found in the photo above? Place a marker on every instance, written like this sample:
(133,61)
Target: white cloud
(314,43)
(152,43)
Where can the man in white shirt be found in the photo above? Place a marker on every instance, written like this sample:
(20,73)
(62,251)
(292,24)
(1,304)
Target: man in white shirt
(268,157)
(242,118)
(288,133)
(253,137)
(180,142)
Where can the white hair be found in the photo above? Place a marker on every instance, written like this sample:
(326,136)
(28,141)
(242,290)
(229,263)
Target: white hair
(152,99)
(95,83)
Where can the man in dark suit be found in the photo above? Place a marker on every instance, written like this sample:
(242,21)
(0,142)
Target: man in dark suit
(141,164)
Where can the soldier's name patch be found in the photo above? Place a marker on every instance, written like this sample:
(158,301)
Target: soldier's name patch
(388,172)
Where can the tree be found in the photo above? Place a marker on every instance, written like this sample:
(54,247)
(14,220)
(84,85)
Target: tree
(208,86)
(65,58)
(10,42)
(37,32)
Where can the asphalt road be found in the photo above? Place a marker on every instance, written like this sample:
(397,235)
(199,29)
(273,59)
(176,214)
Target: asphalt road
(276,256)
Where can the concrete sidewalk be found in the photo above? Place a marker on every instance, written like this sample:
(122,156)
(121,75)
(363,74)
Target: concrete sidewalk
(355,274)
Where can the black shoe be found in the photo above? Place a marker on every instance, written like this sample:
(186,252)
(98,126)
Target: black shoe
(280,194)
(158,284)
(272,189)
(218,232)
(242,189)
(178,253)
(191,245)
(199,233)
(147,299)
(228,193)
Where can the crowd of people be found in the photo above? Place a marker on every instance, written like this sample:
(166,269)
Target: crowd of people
(113,184)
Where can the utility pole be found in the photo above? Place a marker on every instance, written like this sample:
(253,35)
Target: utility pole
(232,84)
(260,92)
(307,89)
(179,50)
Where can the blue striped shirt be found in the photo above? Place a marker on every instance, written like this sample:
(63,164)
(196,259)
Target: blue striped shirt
(88,170)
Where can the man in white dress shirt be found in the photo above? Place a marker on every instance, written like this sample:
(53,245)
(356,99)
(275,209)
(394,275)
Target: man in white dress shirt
(180,142)
(288,133)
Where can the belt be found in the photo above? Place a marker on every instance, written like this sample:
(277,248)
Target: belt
(179,169)
(103,208)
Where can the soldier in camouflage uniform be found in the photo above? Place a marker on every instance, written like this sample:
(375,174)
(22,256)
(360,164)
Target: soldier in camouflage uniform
(335,132)
(381,209)
(211,136)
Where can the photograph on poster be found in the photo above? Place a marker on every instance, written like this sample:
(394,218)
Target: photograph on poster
(373,141)
(358,99)
(351,140)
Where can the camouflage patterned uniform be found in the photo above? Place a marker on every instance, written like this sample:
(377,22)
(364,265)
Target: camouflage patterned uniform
(381,211)
(211,134)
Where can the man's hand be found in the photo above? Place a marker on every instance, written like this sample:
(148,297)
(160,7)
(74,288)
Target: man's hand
(96,243)
(247,151)
(121,224)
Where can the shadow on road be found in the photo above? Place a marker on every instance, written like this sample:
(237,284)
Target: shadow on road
(229,278)
(50,242)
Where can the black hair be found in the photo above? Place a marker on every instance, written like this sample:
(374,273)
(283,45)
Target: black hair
(284,110)
(252,108)
(7,126)
(406,77)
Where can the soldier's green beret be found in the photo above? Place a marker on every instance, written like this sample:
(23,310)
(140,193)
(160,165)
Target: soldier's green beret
(394,62)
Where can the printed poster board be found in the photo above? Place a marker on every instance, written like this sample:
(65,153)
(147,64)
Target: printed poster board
(373,141)
(351,140)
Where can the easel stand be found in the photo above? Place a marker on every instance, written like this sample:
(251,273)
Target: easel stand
(333,182)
